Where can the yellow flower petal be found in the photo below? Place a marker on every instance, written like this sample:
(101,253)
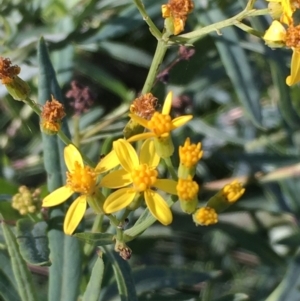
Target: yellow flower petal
(57,197)
(148,154)
(116,179)
(108,162)
(181,120)
(143,122)
(118,200)
(75,214)
(158,207)
(71,155)
(166,185)
(142,136)
(126,154)
(295,69)
(167,104)
(275,33)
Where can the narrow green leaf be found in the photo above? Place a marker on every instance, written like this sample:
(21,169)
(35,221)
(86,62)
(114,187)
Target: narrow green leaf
(7,290)
(150,278)
(286,107)
(248,241)
(123,277)
(288,289)
(93,289)
(233,297)
(97,239)
(237,66)
(33,241)
(65,256)
(21,272)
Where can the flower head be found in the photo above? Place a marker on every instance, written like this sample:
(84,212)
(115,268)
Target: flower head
(160,126)
(26,201)
(81,179)
(225,197)
(51,116)
(233,191)
(15,86)
(139,176)
(176,12)
(205,216)
(277,36)
(187,191)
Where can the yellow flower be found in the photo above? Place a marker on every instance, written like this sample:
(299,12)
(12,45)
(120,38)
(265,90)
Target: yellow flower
(290,37)
(139,174)
(205,216)
(160,125)
(189,155)
(233,191)
(80,179)
(287,9)
(176,12)
(225,197)
(187,191)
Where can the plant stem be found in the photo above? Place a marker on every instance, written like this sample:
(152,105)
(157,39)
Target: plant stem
(160,52)
(76,137)
(171,168)
(198,33)
(153,29)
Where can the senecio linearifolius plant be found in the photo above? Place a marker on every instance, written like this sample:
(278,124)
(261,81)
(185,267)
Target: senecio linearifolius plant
(127,177)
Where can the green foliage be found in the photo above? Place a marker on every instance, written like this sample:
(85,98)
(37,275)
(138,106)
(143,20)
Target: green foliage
(245,115)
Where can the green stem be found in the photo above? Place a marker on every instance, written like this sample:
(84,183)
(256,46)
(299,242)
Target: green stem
(171,168)
(34,106)
(197,34)
(153,29)
(160,52)
(76,137)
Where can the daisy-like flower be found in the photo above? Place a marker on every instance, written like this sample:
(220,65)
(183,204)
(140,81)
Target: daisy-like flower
(283,9)
(81,179)
(277,35)
(138,176)
(160,126)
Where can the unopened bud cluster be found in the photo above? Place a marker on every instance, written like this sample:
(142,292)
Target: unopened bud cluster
(26,201)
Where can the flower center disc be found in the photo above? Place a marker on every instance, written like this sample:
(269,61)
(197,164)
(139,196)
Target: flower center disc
(143,177)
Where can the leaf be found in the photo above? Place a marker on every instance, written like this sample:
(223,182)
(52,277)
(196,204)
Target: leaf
(33,241)
(93,289)
(21,272)
(7,290)
(233,297)
(157,277)
(233,57)
(65,271)
(250,241)
(123,278)
(288,289)
(97,239)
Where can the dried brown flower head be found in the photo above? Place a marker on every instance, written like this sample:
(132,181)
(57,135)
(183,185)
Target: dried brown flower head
(144,106)
(51,116)
(177,11)
(8,71)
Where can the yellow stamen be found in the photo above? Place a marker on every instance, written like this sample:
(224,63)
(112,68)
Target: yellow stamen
(160,124)
(190,154)
(205,216)
(143,177)
(82,179)
(187,189)
(233,191)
